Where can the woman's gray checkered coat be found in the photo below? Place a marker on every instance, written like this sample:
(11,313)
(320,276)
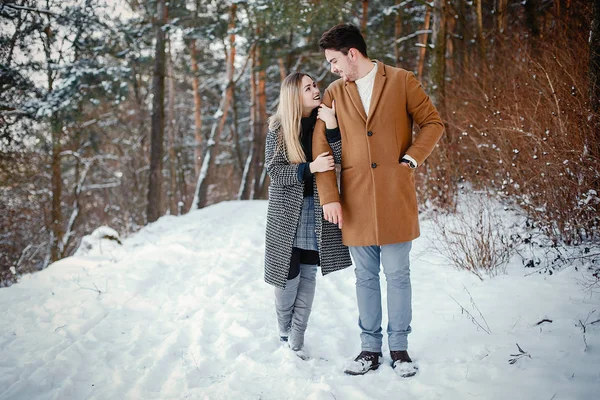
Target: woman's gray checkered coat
(286,194)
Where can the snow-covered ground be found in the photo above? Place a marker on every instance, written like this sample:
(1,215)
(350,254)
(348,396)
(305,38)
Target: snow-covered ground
(180,311)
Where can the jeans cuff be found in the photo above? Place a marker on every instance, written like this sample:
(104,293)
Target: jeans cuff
(372,350)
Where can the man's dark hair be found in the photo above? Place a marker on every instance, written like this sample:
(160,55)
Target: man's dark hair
(343,37)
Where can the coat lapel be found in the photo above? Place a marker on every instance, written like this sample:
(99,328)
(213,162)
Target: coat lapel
(352,91)
(377,88)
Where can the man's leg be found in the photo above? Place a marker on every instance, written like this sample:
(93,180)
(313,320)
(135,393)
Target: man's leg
(396,267)
(303,305)
(368,294)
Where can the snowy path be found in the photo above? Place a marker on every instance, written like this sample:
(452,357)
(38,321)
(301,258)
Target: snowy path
(184,314)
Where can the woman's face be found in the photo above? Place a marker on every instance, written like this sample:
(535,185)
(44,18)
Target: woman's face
(311,97)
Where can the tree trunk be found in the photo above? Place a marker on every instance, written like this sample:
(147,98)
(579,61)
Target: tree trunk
(594,72)
(462,47)
(595,58)
(480,39)
(365,17)
(397,32)
(197,110)
(450,49)
(438,66)
(171,125)
(501,15)
(282,69)
(438,168)
(235,141)
(207,171)
(246,190)
(531,21)
(423,49)
(158,119)
(260,188)
(57,223)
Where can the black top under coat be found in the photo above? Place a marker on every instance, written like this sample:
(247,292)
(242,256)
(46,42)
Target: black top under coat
(306,135)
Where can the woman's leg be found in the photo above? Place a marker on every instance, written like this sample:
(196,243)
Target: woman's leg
(284,305)
(303,305)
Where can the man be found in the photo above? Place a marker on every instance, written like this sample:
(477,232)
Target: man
(376,107)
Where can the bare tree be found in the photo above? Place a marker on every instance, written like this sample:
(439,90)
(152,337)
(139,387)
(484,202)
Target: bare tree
(171,130)
(502,15)
(423,49)
(364,17)
(158,119)
(595,58)
(197,109)
(397,32)
(480,38)
(438,66)
(246,190)
(207,171)
(261,127)
(531,17)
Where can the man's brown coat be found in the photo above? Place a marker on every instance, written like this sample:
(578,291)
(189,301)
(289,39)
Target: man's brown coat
(377,194)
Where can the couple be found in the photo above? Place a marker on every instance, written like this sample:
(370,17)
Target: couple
(375,207)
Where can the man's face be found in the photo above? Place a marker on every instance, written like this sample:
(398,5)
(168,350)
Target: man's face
(343,65)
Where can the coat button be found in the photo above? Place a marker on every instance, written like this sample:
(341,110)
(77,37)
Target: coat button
(369,133)
(374,165)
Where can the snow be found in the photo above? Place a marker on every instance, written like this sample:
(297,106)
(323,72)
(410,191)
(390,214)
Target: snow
(100,243)
(180,311)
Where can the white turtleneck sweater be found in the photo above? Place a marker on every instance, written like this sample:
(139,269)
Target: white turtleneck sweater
(365,88)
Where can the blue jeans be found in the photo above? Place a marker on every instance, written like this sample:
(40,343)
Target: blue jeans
(396,267)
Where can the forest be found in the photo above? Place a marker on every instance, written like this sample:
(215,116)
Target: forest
(116,113)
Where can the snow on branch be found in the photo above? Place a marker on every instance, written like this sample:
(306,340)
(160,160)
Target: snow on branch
(24,8)
(412,35)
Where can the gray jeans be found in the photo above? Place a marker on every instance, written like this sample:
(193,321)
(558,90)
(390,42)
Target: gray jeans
(294,303)
(396,267)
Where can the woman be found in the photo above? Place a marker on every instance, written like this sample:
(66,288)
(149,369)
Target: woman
(298,239)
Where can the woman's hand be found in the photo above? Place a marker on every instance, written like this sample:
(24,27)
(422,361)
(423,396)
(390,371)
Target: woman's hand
(324,162)
(328,115)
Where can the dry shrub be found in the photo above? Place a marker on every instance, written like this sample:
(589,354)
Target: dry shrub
(474,238)
(23,214)
(433,179)
(523,126)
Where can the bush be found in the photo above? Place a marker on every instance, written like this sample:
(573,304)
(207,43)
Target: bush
(523,127)
(474,238)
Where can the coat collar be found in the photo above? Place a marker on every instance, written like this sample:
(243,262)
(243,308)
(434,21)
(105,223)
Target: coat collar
(352,91)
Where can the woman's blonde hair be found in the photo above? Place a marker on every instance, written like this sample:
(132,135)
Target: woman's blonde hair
(288,117)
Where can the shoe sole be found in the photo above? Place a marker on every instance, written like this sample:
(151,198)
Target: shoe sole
(409,374)
(353,373)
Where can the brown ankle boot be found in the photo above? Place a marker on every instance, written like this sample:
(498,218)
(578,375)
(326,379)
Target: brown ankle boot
(363,363)
(403,364)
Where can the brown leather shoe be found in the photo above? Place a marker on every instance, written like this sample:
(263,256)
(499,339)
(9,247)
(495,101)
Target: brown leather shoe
(403,364)
(363,363)
(400,355)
